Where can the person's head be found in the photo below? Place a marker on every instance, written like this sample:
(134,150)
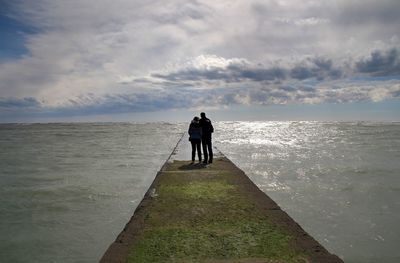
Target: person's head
(196,119)
(202,115)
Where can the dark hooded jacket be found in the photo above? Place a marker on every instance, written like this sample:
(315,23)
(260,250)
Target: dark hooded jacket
(195,131)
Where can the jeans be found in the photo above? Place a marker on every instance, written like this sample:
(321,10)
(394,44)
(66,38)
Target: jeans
(207,149)
(196,144)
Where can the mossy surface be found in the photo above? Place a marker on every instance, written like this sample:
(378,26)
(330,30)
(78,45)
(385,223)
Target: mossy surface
(201,215)
(214,190)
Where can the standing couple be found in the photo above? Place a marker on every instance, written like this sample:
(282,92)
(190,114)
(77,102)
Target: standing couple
(200,130)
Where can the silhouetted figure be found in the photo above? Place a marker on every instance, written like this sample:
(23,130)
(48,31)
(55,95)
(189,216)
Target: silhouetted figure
(207,129)
(195,135)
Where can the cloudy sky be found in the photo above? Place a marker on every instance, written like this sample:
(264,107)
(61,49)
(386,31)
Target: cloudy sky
(127,59)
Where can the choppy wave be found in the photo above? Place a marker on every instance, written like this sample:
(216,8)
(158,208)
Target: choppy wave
(338,180)
(68,189)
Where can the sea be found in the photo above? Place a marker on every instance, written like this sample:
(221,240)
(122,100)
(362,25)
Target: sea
(68,189)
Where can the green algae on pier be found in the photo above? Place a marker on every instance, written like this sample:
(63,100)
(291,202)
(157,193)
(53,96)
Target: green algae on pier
(196,213)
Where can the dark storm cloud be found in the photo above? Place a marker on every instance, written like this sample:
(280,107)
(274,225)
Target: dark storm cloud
(258,74)
(232,73)
(381,63)
(378,63)
(318,68)
(196,74)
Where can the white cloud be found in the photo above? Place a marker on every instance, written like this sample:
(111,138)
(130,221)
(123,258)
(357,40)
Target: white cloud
(239,51)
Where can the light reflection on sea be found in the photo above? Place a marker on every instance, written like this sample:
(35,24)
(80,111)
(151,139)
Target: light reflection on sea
(67,190)
(338,180)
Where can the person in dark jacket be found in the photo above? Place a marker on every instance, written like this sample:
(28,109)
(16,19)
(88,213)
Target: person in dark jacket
(207,129)
(195,135)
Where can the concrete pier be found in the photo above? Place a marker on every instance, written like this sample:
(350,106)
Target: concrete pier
(213,213)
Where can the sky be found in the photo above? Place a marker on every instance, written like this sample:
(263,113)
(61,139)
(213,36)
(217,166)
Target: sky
(127,60)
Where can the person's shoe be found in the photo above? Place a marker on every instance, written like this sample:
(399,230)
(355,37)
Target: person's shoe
(205,162)
(210,161)
(192,162)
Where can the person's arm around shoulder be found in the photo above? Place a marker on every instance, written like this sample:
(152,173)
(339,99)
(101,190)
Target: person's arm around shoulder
(210,126)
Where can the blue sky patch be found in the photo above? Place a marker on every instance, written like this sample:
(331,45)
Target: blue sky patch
(13,35)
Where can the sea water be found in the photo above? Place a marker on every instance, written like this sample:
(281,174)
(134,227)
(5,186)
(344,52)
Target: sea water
(67,190)
(339,181)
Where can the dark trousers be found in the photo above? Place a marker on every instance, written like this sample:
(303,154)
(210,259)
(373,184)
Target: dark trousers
(196,145)
(207,149)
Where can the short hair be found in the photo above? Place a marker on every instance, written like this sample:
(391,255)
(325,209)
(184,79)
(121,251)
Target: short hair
(202,114)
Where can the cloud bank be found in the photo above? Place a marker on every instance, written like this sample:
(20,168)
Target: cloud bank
(146,56)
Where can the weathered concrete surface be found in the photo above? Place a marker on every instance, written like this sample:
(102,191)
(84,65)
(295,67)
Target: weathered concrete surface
(214,213)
